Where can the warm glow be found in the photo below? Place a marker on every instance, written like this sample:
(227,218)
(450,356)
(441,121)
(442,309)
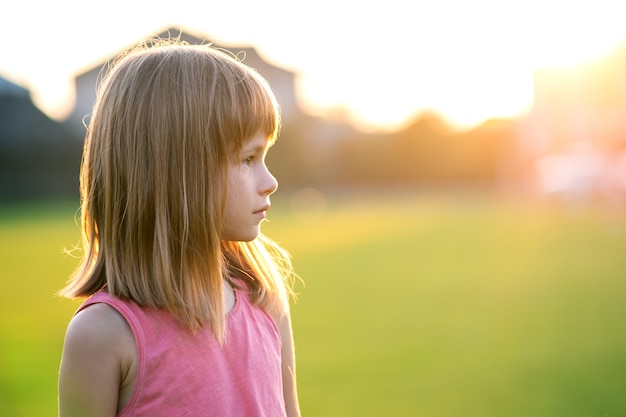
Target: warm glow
(478,66)
(378,65)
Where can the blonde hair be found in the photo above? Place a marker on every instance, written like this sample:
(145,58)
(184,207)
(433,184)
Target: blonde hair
(168,119)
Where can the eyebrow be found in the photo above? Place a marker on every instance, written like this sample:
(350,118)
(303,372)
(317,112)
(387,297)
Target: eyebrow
(252,146)
(254,149)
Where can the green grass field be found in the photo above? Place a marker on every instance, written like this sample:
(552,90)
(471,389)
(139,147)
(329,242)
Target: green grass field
(419,306)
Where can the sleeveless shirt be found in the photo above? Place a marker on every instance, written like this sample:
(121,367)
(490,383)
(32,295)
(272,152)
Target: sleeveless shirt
(185,374)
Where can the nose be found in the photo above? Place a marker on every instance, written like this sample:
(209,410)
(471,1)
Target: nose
(269,183)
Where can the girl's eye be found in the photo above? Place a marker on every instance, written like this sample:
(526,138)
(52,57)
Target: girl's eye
(248,160)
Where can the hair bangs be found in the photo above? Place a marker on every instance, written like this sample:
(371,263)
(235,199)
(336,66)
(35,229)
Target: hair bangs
(254,109)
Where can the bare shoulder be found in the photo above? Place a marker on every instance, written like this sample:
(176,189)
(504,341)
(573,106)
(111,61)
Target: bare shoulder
(99,330)
(98,353)
(96,319)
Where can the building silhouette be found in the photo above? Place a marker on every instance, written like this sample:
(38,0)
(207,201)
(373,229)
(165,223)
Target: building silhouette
(39,157)
(281,80)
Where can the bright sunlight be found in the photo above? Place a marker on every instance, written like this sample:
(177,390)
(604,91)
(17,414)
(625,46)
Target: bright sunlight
(469,62)
(377,65)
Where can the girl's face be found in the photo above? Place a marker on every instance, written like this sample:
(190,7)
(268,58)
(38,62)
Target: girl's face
(250,185)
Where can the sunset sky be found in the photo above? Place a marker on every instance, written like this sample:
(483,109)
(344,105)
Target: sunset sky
(380,62)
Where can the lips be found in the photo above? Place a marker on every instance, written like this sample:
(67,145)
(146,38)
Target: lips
(266,208)
(262,210)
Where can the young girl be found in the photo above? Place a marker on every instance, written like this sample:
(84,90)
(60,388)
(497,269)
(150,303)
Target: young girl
(188,309)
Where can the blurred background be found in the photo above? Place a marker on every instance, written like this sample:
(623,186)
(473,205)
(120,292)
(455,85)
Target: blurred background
(452,189)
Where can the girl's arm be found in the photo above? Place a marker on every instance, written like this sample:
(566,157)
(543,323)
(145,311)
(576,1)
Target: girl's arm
(98,353)
(290,391)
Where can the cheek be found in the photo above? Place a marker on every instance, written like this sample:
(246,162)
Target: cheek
(231,203)
(235,195)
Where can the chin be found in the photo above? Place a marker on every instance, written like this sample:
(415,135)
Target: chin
(243,236)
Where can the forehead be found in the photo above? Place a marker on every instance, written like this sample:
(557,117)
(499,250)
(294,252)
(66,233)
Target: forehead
(257,142)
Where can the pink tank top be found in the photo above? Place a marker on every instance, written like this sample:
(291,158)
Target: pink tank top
(180,374)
